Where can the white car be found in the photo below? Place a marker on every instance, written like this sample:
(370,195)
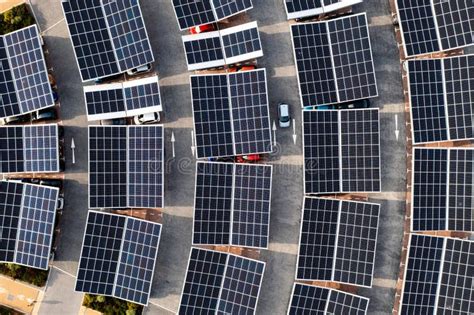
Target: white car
(150,118)
(141,69)
(284,118)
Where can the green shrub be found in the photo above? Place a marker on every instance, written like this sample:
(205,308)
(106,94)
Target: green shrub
(16,18)
(33,276)
(109,305)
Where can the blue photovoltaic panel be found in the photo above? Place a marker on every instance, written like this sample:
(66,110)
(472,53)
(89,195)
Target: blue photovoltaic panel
(10,206)
(212,119)
(90,38)
(104,101)
(11,150)
(241,286)
(343,303)
(203,282)
(128,32)
(35,231)
(192,13)
(250,113)
(427,100)
(137,261)
(100,253)
(8,100)
(41,148)
(226,8)
(142,96)
(423,270)
(107,167)
(145,166)
(29,69)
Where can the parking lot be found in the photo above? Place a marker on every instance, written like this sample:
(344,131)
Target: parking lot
(287,194)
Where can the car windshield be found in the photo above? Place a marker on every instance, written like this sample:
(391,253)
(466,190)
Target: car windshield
(285,119)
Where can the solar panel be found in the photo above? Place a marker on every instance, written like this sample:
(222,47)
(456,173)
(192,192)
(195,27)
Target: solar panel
(108,36)
(438,276)
(27,214)
(128,33)
(191,13)
(32,149)
(8,99)
(127,99)
(309,299)
(429,26)
(442,189)
(145,166)
(232,204)
(341,151)
(304,8)
(203,51)
(90,38)
(250,113)
(212,119)
(218,282)
(137,260)
(334,60)
(126,166)
(118,257)
(344,251)
(107,167)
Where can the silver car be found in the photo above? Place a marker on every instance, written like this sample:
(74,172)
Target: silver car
(284,118)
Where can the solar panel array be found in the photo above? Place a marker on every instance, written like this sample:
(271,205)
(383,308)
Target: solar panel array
(344,251)
(27,215)
(29,149)
(109,36)
(131,98)
(430,26)
(442,189)
(191,13)
(441,98)
(229,46)
(231,114)
(126,166)
(24,86)
(296,9)
(341,151)
(220,283)
(118,257)
(309,299)
(438,276)
(334,60)
(232,204)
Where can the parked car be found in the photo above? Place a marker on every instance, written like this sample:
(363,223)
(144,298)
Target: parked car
(51,182)
(284,118)
(141,69)
(102,80)
(55,96)
(44,114)
(114,122)
(365,103)
(202,28)
(60,205)
(16,119)
(150,118)
(248,158)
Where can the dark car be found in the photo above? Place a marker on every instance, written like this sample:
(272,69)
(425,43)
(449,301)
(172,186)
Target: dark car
(17,119)
(45,114)
(365,103)
(114,122)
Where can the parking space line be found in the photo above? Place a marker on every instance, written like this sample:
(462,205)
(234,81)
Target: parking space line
(64,271)
(52,26)
(160,306)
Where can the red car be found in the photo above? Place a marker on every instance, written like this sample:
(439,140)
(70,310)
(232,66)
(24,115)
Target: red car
(202,28)
(252,158)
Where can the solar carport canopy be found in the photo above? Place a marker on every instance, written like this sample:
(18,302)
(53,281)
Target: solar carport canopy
(116,100)
(438,277)
(126,166)
(225,47)
(109,36)
(443,189)
(191,13)
(441,93)
(118,257)
(296,9)
(341,151)
(430,26)
(344,250)
(310,299)
(24,83)
(29,149)
(232,204)
(231,114)
(334,61)
(27,215)
(220,283)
